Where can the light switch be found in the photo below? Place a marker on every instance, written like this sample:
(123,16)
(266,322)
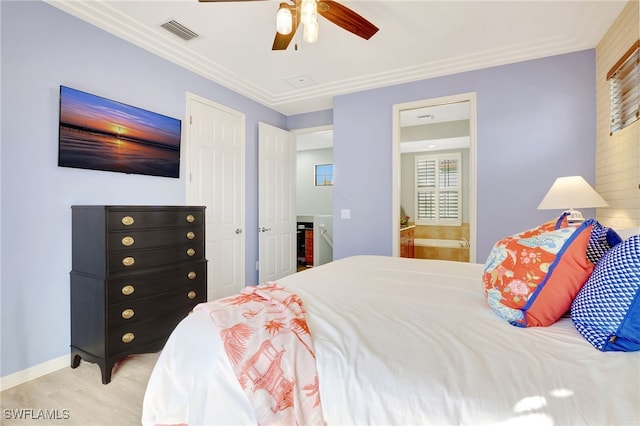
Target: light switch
(345,214)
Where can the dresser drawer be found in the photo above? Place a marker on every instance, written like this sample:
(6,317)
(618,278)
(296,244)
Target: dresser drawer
(151,282)
(133,260)
(130,336)
(131,218)
(141,239)
(141,309)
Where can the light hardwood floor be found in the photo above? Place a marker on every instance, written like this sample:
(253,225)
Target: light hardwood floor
(78,397)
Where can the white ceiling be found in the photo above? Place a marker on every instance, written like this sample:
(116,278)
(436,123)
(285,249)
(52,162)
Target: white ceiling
(314,140)
(435,114)
(417,39)
(422,117)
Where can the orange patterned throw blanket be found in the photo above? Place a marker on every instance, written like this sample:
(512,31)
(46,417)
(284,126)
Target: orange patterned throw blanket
(267,340)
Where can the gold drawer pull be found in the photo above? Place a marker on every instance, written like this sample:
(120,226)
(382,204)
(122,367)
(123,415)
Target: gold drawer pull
(128,313)
(128,337)
(191,235)
(192,294)
(127,220)
(128,261)
(191,252)
(192,275)
(190,218)
(128,289)
(128,241)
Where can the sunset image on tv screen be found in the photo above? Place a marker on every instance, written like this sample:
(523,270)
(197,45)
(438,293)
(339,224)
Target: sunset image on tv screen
(101,134)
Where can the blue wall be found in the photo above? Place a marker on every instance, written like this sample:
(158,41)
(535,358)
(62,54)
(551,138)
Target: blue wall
(536,121)
(43,48)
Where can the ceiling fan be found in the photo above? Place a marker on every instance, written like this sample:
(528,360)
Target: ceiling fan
(291,15)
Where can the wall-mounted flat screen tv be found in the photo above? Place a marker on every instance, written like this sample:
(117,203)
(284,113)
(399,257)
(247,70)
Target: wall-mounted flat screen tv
(100,134)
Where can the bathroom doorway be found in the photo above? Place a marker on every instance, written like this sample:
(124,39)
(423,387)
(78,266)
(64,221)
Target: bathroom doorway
(314,196)
(434,172)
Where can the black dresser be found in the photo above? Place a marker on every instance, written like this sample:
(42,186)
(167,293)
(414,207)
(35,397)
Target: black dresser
(136,272)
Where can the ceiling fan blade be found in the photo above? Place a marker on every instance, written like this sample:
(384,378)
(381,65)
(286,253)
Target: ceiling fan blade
(281,42)
(346,18)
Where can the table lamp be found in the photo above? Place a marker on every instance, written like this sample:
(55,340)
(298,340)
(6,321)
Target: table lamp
(571,192)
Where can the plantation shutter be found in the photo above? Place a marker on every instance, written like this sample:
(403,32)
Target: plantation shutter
(438,189)
(426,183)
(624,89)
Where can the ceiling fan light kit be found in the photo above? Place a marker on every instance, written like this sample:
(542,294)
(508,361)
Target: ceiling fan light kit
(284,19)
(289,16)
(308,18)
(308,12)
(310,33)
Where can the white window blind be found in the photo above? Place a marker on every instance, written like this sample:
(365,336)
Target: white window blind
(438,189)
(624,89)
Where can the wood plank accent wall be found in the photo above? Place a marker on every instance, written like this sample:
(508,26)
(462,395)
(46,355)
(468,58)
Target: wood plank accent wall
(617,156)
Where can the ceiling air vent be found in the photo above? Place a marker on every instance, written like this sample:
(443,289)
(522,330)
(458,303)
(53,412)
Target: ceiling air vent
(180,30)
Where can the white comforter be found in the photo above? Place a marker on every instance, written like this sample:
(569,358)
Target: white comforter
(407,341)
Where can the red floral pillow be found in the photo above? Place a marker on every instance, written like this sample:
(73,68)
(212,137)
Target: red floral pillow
(530,279)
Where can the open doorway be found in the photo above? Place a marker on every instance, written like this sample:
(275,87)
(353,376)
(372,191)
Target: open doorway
(434,171)
(314,196)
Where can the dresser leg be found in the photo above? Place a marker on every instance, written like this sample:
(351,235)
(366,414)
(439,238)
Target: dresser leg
(106,373)
(75,360)
(105,367)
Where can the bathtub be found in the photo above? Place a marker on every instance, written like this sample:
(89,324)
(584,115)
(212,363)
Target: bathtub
(432,242)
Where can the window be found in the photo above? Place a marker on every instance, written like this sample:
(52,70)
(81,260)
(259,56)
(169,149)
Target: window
(324,174)
(438,189)
(624,89)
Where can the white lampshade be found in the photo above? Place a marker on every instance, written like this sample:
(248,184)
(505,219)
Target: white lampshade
(571,192)
(284,20)
(310,34)
(309,12)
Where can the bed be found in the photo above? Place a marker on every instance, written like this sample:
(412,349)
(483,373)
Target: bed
(407,341)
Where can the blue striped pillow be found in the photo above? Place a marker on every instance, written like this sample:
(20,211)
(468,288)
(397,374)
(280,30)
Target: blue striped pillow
(606,310)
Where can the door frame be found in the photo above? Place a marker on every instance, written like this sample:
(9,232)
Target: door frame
(473,170)
(187,154)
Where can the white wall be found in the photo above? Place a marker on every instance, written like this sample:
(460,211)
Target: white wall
(312,199)
(54,48)
(534,123)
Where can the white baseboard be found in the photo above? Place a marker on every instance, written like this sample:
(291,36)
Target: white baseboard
(34,372)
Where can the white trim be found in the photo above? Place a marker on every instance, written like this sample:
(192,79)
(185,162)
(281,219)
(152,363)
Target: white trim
(473,178)
(317,97)
(326,127)
(473,170)
(31,373)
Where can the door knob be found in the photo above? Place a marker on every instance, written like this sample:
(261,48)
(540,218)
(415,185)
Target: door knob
(263,229)
(238,231)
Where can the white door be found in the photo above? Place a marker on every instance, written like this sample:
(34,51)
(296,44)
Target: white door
(277,204)
(215,179)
